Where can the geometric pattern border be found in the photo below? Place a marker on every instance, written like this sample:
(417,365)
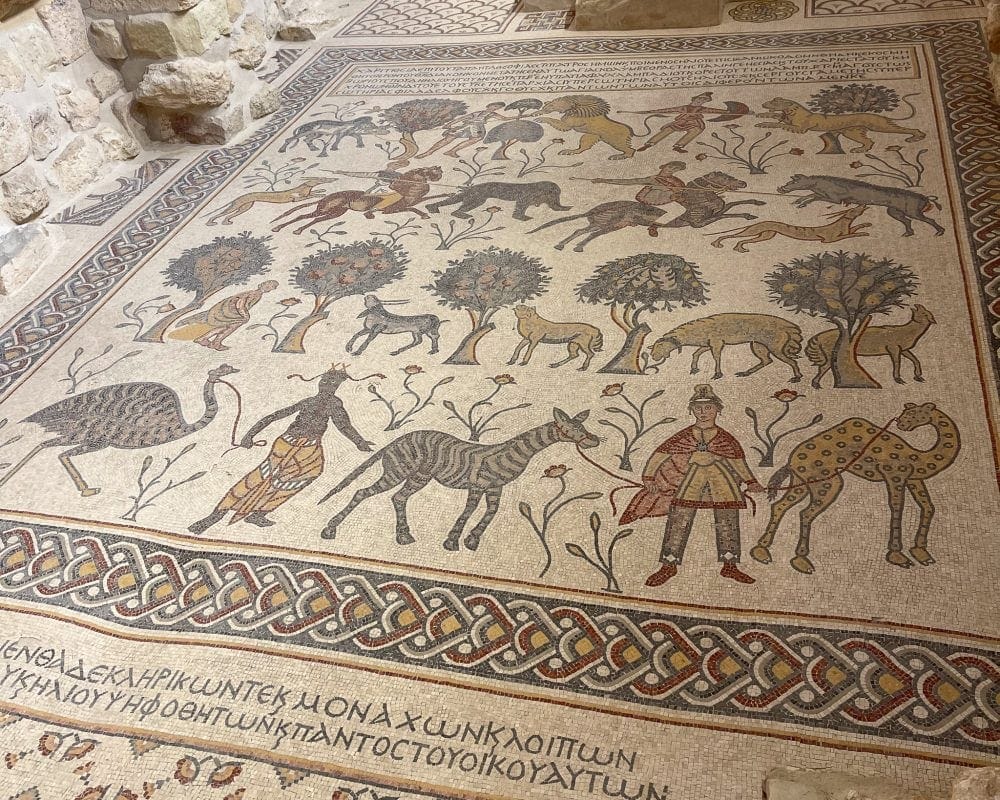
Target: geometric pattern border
(830,8)
(959,48)
(106,205)
(910,689)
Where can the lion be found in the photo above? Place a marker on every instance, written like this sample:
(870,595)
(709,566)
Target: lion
(588,115)
(795,117)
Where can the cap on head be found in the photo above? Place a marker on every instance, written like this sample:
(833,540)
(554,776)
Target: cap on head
(703,393)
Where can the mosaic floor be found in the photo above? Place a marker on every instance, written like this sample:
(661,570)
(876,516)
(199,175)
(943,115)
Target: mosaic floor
(520,412)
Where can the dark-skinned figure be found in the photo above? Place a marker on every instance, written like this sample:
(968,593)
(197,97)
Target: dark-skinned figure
(296,457)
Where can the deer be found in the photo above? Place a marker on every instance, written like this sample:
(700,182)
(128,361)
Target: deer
(895,341)
(378,319)
(245,202)
(841,227)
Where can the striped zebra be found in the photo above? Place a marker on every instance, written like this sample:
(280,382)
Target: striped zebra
(418,457)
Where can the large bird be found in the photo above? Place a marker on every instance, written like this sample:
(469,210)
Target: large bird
(128,416)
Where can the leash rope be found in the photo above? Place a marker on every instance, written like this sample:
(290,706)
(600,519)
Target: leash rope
(629,483)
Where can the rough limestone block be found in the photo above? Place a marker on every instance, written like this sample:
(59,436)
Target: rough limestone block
(8,7)
(185,83)
(116,147)
(35,51)
(15,143)
(235,8)
(306,19)
(122,107)
(24,194)
(43,131)
(265,102)
(216,126)
(993,27)
(789,783)
(67,26)
(249,45)
(23,251)
(106,39)
(104,82)
(11,74)
(78,164)
(620,15)
(977,784)
(166,35)
(79,107)
(141,6)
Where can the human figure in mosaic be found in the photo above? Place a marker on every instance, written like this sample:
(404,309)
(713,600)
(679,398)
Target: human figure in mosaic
(689,121)
(658,189)
(296,457)
(467,130)
(211,328)
(702,466)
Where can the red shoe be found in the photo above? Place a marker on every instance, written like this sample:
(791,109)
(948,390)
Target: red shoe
(662,575)
(731,571)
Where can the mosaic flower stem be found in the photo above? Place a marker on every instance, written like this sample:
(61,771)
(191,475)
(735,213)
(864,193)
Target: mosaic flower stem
(636,416)
(770,440)
(480,425)
(603,563)
(398,417)
(553,506)
(143,499)
(75,371)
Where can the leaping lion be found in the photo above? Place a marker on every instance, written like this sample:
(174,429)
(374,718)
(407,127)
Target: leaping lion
(588,115)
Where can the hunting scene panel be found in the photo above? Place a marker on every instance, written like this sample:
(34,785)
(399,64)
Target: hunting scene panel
(684,344)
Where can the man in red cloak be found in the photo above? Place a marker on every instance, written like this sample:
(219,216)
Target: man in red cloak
(702,466)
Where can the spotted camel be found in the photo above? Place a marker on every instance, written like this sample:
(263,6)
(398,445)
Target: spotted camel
(864,450)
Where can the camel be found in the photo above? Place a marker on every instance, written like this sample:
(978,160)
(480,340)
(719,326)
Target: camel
(245,202)
(863,449)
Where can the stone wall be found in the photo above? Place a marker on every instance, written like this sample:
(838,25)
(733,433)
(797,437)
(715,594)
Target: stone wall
(85,84)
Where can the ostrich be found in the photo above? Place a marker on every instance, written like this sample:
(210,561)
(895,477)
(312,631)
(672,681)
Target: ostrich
(128,416)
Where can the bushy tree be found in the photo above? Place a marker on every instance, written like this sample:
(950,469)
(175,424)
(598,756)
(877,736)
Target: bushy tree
(423,114)
(638,284)
(481,284)
(208,269)
(343,270)
(855,98)
(847,289)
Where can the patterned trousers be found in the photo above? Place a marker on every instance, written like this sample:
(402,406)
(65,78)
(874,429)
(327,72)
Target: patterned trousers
(679,522)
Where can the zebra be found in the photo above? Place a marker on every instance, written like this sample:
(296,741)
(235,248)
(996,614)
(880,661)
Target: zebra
(418,457)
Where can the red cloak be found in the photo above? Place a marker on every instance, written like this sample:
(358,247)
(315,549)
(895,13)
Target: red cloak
(655,501)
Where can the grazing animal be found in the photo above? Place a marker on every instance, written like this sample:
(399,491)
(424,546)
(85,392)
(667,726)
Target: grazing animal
(331,132)
(588,116)
(842,227)
(245,202)
(701,200)
(817,465)
(379,320)
(767,336)
(579,337)
(524,196)
(404,192)
(795,117)
(417,458)
(900,204)
(126,416)
(894,341)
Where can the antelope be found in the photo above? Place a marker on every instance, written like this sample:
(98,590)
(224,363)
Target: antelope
(245,202)
(894,341)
